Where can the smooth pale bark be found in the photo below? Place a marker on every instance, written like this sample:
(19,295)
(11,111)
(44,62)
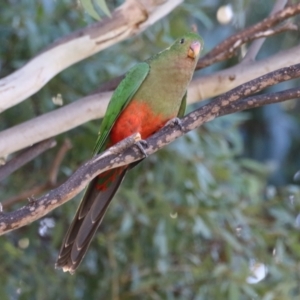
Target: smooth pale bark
(209,86)
(131,18)
(94,106)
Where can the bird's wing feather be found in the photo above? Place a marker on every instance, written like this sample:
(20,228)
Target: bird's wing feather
(182,106)
(119,100)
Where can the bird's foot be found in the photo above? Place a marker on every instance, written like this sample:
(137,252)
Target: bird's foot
(31,200)
(142,145)
(175,122)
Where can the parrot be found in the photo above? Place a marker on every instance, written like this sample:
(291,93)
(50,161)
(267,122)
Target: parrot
(152,94)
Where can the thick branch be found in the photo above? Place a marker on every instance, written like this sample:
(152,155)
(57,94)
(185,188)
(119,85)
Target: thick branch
(133,17)
(94,106)
(257,101)
(38,208)
(220,82)
(53,123)
(115,156)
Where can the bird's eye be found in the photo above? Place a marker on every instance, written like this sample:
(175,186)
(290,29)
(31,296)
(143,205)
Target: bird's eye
(181,41)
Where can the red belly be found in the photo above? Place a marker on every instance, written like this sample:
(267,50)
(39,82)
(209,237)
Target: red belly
(137,117)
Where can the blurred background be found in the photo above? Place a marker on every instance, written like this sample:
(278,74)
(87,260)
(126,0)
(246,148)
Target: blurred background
(213,216)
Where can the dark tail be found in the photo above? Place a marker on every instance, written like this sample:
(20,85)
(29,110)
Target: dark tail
(87,220)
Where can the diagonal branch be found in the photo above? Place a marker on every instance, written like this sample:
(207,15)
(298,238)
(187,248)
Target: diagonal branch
(94,106)
(52,178)
(23,158)
(131,18)
(206,60)
(204,87)
(125,152)
(53,123)
(211,85)
(66,146)
(257,44)
(227,48)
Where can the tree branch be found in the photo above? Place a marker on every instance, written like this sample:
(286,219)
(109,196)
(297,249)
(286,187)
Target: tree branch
(66,146)
(131,18)
(227,48)
(126,152)
(54,198)
(24,157)
(257,101)
(112,84)
(50,183)
(53,123)
(90,107)
(205,87)
(94,106)
(257,44)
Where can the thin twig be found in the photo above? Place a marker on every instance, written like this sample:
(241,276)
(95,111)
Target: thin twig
(28,194)
(25,156)
(66,146)
(50,183)
(227,48)
(257,44)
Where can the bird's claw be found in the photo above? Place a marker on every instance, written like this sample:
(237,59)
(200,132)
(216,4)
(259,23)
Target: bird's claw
(175,122)
(31,200)
(142,144)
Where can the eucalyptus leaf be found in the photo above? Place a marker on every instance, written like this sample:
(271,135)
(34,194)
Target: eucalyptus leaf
(88,6)
(103,6)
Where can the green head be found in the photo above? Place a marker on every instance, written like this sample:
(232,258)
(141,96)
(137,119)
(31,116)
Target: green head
(185,50)
(170,72)
(188,46)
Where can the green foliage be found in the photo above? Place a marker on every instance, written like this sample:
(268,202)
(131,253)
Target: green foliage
(91,7)
(188,221)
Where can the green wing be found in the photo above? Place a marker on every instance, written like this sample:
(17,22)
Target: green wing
(182,106)
(120,99)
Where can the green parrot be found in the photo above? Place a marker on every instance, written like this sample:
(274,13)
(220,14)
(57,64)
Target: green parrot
(152,93)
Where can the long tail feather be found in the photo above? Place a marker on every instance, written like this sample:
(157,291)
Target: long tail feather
(86,222)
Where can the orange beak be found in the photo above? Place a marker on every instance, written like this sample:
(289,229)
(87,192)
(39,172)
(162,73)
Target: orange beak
(194,49)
